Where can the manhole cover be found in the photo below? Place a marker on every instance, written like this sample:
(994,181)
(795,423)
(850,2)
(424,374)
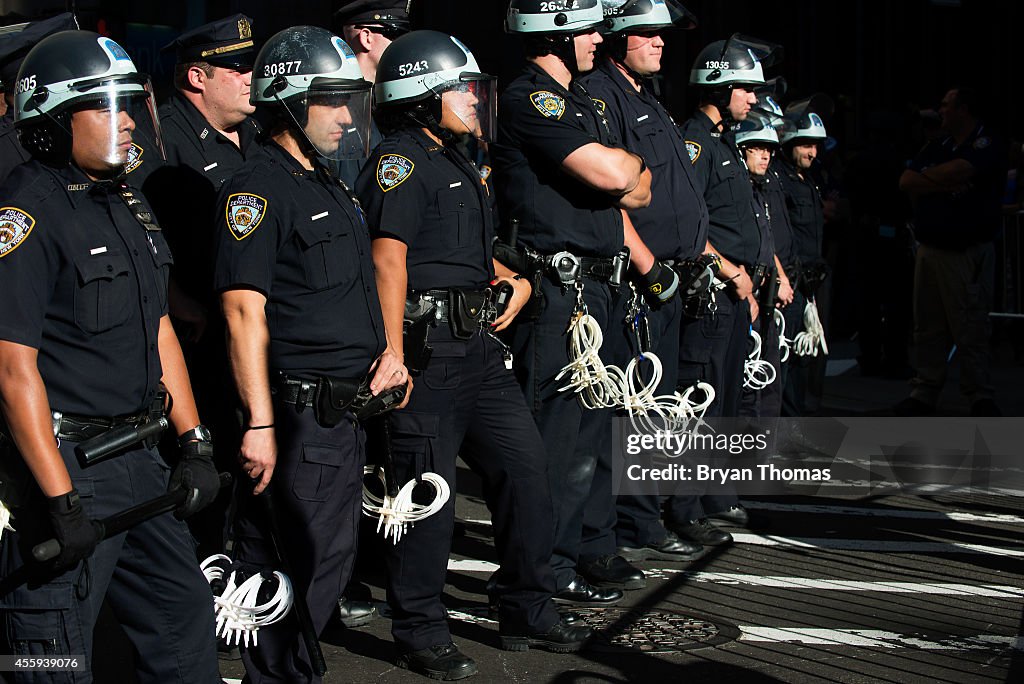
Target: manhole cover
(653,631)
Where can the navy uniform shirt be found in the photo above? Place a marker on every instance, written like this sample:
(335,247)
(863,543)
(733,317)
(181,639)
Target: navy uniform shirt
(722,177)
(806,211)
(348,169)
(85,283)
(782,231)
(432,199)
(765,221)
(959,220)
(296,237)
(184,191)
(11,152)
(541,123)
(675,224)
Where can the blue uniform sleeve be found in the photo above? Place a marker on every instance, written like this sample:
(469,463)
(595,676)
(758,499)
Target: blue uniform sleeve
(247,235)
(391,189)
(542,122)
(700,158)
(28,267)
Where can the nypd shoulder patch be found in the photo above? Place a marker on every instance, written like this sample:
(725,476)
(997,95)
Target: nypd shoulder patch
(393,170)
(548,104)
(15,225)
(134,158)
(693,149)
(485,172)
(601,105)
(244,213)
(982,142)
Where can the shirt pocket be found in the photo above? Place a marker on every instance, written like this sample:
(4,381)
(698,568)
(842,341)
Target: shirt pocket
(654,143)
(328,253)
(451,205)
(103,295)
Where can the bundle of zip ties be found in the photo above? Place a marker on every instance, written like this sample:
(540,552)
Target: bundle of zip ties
(396,514)
(238,615)
(808,342)
(784,342)
(757,373)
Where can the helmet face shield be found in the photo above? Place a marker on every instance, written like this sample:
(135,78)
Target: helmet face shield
(473,104)
(639,16)
(740,60)
(113,127)
(335,119)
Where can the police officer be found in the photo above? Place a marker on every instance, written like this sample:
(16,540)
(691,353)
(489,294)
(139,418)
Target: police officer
(803,132)
(13,48)
(85,344)
(674,227)
(432,224)
(561,178)
(369,26)
(758,140)
(295,275)
(208,132)
(725,73)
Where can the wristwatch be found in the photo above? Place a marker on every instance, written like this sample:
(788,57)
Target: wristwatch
(200,433)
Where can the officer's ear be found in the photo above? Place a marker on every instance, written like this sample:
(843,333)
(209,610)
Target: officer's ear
(197,76)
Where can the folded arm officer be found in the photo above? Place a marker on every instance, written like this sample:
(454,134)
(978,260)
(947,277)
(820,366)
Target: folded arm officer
(86,344)
(295,274)
(560,175)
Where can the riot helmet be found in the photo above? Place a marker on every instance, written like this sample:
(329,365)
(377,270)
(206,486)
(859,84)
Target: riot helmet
(641,16)
(74,71)
(311,77)
(425,73)
(804,120)
(769,99)
(738,61)
(757,129)
(551,26)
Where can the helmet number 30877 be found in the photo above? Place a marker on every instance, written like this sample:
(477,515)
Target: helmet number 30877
(26,84)
(282,68)
(412,67)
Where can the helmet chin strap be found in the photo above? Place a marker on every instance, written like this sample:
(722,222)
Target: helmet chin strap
(564,47)
(423,116)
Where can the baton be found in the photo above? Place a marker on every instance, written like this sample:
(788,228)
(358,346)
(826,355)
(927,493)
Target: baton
(299,607)
(125,520)
(104,446)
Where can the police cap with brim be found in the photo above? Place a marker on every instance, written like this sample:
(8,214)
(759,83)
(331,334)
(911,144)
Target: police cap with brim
(391,13)
(15,44)
(226,43)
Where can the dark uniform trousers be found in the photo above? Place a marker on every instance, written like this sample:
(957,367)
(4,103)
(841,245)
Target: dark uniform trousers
(467,403)
(317,498)
(149,576)
(712,349)
(766,402)
(572,434)
(796,369)
(635,520)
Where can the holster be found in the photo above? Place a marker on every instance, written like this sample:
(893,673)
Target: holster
(696,279)
(419,314)
(465,308)
(366,406)
(332,399)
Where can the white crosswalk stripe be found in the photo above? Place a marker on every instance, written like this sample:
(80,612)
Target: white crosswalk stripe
(811,509)
(874,638)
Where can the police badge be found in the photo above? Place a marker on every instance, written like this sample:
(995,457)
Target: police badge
(134,158)
(548,104)
(601,105)
(393,170)
(244,213)
(15,225)
(693,149)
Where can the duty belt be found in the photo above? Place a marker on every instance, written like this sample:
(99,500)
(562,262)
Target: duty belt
(293,390)
(80,428)
(567,268)
(441,301)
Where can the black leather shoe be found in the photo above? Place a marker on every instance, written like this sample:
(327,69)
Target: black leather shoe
(564,637)
(612,571)
(671,548)
(444,661)
(355,613)
(581,592)
(702,532)
(737,515)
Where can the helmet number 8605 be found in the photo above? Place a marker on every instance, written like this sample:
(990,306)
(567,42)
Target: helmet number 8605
(26,84)
(282,68)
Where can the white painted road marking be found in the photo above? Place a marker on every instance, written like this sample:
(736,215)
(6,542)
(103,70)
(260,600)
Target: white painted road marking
(874,638)
(871,545)
(882,512)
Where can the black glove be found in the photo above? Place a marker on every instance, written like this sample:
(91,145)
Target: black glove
(77,534)
(660,284)
(197,475)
